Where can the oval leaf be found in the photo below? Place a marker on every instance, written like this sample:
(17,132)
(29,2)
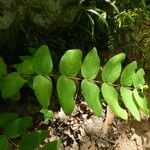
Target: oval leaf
(91,94)
(90,66)
(112,68)
(138,78)
(66,90)
(3,67)
(42,87)
(141,101)
(42,61)
(129,102)
(111,97)
(70,63)
(128,73)
(32,140)
(17,127)
(12,84)
(4,142)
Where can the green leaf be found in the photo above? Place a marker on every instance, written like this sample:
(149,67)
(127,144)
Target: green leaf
(26,67)
(138,78)
(4,143)
(70,63)
(91,64)
(16,97)
(32,140)
(66,90)
(48,114)
(6,118)
(3,67)
(128,73)
(91,94)
(42,87)
(12,84)
(26,57)
(129,102)
(42,61)
(55,145)
(141,100)
(112,68)
(17,127)
(111,97)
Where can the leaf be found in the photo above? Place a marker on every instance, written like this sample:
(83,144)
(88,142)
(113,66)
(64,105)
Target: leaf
(16,97)
(12,84)
(32,140)
(111,97)
(17,127)
(55,145)
(4,142)
(90,66)
(91,94)
(6,118)
(42,87)
(128,73)
(66,90)
(3,67)
(70,63)
(48,114)
(42,61)
(138,78)
(141,101)
(112,68)
(129,102)
(26,67)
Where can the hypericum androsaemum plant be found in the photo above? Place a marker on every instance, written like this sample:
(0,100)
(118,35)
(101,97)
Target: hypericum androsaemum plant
(116,85)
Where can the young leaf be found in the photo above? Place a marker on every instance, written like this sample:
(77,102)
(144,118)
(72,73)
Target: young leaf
(141,101)
(91,94)
(112,68)
(138,78)
(17,127)
(3,67)
(32,140)
(42,87)
(70,63)
(129,102)
(111,97)
(55,145)
(4,143)
(42,62)
(12,84)
(90,66)
(48,114)
(26,67)
(6,118)
(128,73)
(66,90)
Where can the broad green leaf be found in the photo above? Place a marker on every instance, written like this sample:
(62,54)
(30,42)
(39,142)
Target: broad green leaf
(129,102)
(4,145)
(112,68)
(26,57)
(66,90)
(141,100)
(91,94)
(70,63)
(17,127)
(48,114)
(32,140)
(42,87)
(16,97)
(3,67)
(55,145)
(111,97)
(6,118)
(138,78)
(26,67)
(42,62)
(128,73)
(12,84)
(91,64)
